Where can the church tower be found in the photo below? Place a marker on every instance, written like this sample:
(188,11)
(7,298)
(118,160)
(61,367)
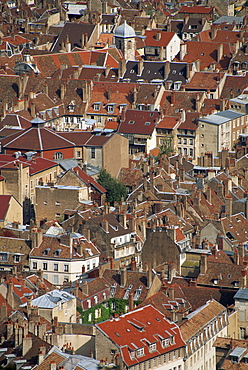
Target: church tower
(125,41)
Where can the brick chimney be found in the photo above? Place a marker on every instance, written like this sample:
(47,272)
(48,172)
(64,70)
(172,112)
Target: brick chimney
(133,264)
(26,344)
(105,225)
(130,301)
(123,276)
(203,264)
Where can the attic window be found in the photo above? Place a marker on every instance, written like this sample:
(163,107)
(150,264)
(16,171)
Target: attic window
(46,251)
(130,122)
(230,235)
(140,352)
(96,106)
(57,252)
(165,342)
(132,355)
(131,71)
(174,72)
(152,347)
(147,123)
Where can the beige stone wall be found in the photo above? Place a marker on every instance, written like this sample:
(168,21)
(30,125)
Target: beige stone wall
(14,213)
(116,154)
(207,139)
(52,201)
(233,326)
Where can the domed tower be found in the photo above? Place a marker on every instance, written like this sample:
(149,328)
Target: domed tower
(125,40)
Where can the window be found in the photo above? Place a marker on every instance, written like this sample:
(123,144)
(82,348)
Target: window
(185,141)
(165,343)
(97,106)
(242,333)
(56,267)
(66,268)
(140,352)
(93,153)
(58,155)
(55,279)
(17,258)
(110,108)
(152,347)
(179,140)
(66,279)
(35,265)
(44,266)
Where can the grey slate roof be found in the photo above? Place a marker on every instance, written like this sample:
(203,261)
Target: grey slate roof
(241,294)
(51,299)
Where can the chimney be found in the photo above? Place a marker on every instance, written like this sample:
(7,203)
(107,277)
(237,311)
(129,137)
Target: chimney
(213,33)
(26,344)
(183,51)
(62,91)
(3,311)
(166,69)
(158,36)
(171,293)
(41,355)
(149,277)
(132,225)
(109,94)
(243,278)
(130,301)
(84,287)
(123,219)
(9,296)
(209,195)
(140,67)
(133,264)
(203,264)
(53,365)
(228,205)
(86,233)
(10,329)
(219,52)
(105,225)
(123,276)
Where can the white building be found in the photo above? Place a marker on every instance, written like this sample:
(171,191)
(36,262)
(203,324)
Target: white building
(200,330)
(63,258)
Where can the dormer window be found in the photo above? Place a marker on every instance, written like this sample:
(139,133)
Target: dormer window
(57,252)
(46,251)
(130,122)
(97,106)
(111,108)
(132,355)
(71,106)
(152,347)
(140,352)
(165,343)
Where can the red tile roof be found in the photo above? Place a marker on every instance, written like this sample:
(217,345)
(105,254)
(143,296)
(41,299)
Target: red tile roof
(88,179)
(4,206)
(196,9)
(139,122)
(151,40)
(137,329)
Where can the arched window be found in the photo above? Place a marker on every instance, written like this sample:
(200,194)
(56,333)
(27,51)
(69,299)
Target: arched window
(58,155)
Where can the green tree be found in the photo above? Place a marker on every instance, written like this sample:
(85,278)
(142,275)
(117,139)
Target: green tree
(166,147)
(115,189)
